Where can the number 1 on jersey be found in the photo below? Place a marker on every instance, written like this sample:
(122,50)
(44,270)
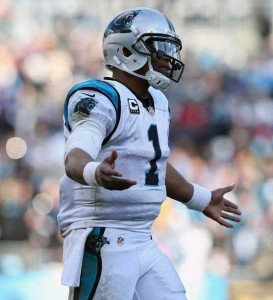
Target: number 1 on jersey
(152,173)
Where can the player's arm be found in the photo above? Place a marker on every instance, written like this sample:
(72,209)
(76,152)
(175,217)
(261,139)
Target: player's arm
(80,167)
(213,204)
(75,162)
(178,188)
(91,118)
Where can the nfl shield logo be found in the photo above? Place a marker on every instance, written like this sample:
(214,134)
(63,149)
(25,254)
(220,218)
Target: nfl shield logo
(120,240)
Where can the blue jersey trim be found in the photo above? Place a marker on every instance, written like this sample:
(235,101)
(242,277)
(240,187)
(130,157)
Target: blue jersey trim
(91,271)
(102,87)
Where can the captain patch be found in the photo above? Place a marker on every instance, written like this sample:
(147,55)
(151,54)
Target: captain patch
(133,106)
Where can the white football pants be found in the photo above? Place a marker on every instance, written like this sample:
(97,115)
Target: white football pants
(131,267)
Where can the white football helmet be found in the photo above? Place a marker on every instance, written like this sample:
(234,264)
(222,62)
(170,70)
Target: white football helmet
(143,31)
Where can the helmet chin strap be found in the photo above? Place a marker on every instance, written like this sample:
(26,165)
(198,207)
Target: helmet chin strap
(158,80)
(122,66)
(155,79)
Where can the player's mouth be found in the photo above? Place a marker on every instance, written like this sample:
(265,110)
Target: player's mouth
(165,69)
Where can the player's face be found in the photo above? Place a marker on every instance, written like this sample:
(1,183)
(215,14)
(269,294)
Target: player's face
(165,59)
(161,63)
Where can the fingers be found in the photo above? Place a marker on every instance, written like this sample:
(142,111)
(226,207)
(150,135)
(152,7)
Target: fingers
(222,220)
(222,210)
(227,212)
(110,172)
(230,217)
(113,183)
(224,223)
(230,204)
(231,208)
(109,178)
(111,159)
(218,195)
(223,217)
(228,189)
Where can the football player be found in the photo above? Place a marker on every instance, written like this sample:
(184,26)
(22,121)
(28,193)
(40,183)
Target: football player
(117,170)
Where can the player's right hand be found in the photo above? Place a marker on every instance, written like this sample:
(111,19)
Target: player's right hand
(109,178)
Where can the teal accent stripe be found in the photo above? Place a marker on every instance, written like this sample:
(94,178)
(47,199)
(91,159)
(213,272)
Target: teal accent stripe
(91,271)
(96,85)
(88,276)
(96,231)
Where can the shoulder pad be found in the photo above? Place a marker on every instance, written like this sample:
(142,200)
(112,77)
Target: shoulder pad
(96,85)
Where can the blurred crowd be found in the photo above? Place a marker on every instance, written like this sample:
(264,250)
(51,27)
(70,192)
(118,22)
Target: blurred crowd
(221,133)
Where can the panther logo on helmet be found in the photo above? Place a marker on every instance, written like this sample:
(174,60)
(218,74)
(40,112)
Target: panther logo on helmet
(121,23)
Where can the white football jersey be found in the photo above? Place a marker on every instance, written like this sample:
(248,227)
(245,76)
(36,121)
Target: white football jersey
(139,134)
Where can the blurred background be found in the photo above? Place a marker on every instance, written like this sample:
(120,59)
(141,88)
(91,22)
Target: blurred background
(221,133)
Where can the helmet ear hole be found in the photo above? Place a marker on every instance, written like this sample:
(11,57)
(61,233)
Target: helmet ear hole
(126,52)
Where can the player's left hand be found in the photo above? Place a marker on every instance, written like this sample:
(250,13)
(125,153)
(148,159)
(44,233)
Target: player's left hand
(221,209)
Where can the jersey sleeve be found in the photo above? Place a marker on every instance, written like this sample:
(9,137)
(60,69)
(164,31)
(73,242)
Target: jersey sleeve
(92,117)
(89,106)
